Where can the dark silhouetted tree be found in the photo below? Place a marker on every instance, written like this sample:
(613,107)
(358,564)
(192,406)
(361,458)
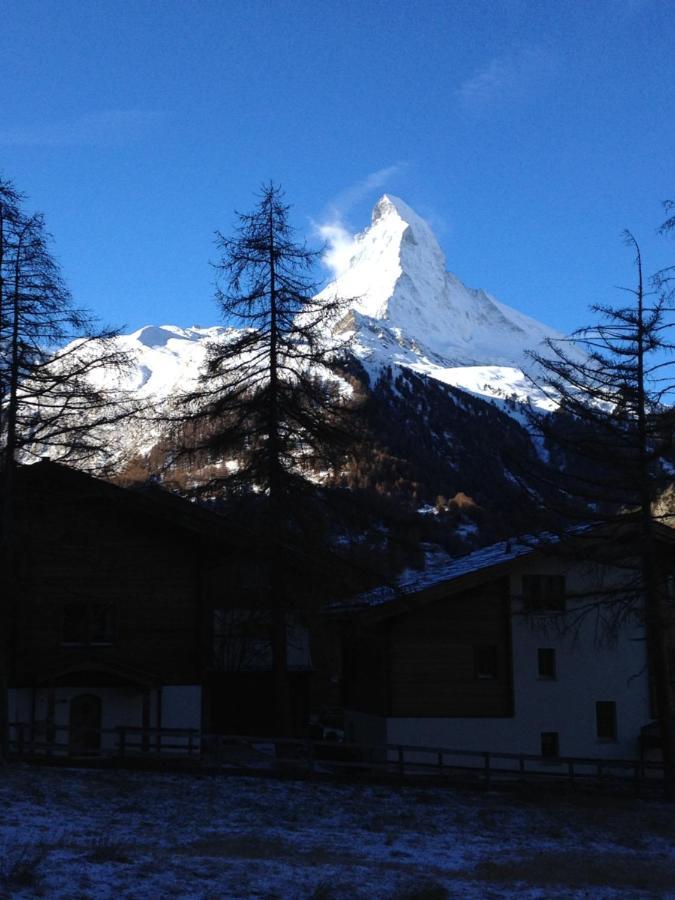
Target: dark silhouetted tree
(268,409)
(610,440)
(54,367)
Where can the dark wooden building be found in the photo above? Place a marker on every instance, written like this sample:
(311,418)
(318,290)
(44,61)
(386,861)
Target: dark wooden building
(125,598)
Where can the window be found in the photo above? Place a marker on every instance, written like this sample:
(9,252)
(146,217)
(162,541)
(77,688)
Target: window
(485,661)
(242,639)
(549,744)
(546,663)
(605,720)
(88,623)
(544,592)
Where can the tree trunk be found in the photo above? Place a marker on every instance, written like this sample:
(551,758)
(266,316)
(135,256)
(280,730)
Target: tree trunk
(8,521)
(656,614)
(276,580)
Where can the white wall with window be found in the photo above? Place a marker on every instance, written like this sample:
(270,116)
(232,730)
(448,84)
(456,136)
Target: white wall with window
(577,691)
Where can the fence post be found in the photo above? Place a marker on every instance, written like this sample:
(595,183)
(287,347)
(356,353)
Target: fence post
(190,742)
(401,763)
(487,768)
(121,741)
(310,756)
(440,763)
(521,767)
(20,739)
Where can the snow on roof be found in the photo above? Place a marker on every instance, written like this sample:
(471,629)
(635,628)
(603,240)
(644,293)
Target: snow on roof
(439,567)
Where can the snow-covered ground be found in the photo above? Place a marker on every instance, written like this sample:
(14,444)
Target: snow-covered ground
(112,834)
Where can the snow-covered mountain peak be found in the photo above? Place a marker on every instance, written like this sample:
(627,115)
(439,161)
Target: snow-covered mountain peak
(390,207)
(395,216)
(398,281)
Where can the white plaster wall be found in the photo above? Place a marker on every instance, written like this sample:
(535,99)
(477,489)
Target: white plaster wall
(182,706)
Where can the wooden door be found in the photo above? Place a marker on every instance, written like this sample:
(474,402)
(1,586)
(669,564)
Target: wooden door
(85,725)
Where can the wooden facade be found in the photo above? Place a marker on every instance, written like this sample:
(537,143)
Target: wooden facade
(94,550)
(449,657)
(113,620)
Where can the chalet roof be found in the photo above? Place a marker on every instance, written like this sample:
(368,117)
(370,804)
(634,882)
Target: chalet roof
(152,502)
(443,574)
(442,569)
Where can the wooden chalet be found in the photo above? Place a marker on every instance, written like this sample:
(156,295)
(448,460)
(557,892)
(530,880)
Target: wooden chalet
(514,648)
(137,609)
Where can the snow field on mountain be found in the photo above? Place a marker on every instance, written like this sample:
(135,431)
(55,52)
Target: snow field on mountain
(105,835)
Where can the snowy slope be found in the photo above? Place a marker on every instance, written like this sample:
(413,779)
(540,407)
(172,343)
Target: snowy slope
(168,358)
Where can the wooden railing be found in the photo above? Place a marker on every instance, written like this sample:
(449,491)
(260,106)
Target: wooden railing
(408,760)
(123,742)
(308,757)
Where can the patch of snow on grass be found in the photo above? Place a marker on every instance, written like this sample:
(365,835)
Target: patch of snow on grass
(110,834)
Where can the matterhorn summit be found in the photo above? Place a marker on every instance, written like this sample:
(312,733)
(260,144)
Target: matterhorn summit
(407,304)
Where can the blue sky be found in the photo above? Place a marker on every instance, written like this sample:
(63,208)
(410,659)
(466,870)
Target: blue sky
(528,133)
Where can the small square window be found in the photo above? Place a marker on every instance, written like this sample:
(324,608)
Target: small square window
(546,668)
(550,744)
(605,720)
(242,639)
(486,661)
(542,593)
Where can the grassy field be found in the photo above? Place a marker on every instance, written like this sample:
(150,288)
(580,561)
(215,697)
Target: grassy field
(115,834)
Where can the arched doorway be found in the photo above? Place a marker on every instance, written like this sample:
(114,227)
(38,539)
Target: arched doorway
(85,725)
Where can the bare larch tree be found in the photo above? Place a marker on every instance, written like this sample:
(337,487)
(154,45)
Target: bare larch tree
(268,410)
(611,442)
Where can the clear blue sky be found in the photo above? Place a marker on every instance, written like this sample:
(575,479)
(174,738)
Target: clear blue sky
(528,133)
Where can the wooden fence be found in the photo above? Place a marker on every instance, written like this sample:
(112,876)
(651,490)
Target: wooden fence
(407,761)
(308,757)
(123,742)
